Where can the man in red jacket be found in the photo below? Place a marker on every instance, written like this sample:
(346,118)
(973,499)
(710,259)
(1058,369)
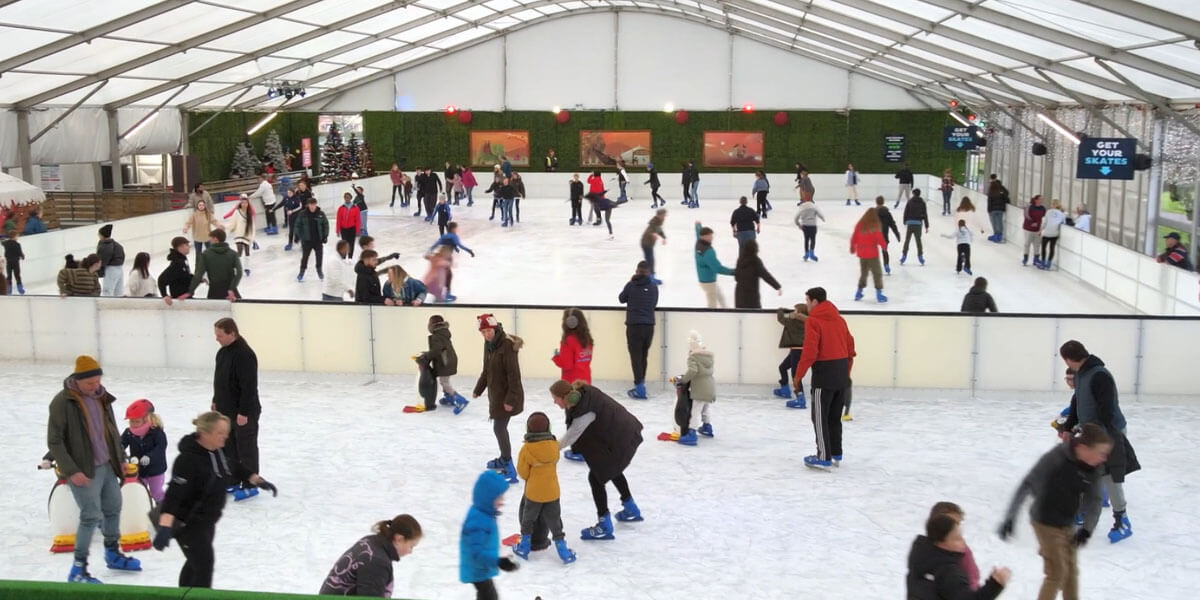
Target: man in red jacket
(829,351)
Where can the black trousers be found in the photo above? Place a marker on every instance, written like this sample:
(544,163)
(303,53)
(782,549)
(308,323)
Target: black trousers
(1048,243)
(964,258)
(291,222)
(430,200)
(500,428)
(810,237)
(397,190)
(638,339)
(788,366)
(658,199)
(12,270)
(648,253)
(887,260)
(309,247)
(485,590)
(577,210)
(242,444)
(441,222)
(495,205)
(687,194)
(827,406)
(196,541)
(761,204)
(600,495)
(348,234)
(269,209)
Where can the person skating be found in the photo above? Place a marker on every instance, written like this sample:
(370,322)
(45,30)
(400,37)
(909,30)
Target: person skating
(312,229)
(744,222)
(947,190)
(694,183)
(508,196)
(915,215)
(235,395)
(360,201)
(293,203)
(805,185)
(479,544)
(601,205)
(444,361)
(760,189)
(347,222)
(969,567)
(748,271)
(935,570)
(708,267)
(469,183)
(494,189)
(654,184)
(141,284)
(367,289)
(829,352)
(174,280)
(519,190)
(13,255)
(576,199)
(1065,482)
(112,261)
(341,271)
(962,239)
(195,497)
(852,186)
(574,354)
(653,233)
(501,379)
(1051,228)
(541,510)
(886,223)
(866,243)
(397,178)
(220,266)
(607,435)
(200,222)
(441,212)
(640,297)
(242,230)
(365,569)
(429,188)
(701,387)
(806,220)
(1032,225)
(977,299)
(792,338)
(622,182)
(905,179)
(265,193)
(146,443)
(997,202)
(685,177)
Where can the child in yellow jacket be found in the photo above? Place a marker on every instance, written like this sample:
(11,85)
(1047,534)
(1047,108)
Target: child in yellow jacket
(540,511)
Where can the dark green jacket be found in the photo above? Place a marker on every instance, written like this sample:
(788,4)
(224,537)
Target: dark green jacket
(222,267)
(793,329)
(67,434)
(305,225)
(441,351)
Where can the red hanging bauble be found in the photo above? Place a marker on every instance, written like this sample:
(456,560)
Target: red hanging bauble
(781,118)
(562,117)
(464,117)
(681,117)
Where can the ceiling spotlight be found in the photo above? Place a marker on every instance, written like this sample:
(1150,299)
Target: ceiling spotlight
(669,107)
(301,92)
(288,93)
(271,93)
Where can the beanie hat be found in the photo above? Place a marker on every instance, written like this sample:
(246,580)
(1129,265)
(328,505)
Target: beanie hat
(487,321)
(695,342)
(86,366)
(106,231)
(138,409)
(538,422)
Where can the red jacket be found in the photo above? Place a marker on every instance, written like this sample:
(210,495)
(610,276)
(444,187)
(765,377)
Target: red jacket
(574,360)
(347,217)
(595,184)
(866,244)
(828,348)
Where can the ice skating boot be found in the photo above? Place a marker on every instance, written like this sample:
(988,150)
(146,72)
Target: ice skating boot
(1121,528)
(1037,260)
(254,245)
(903,257)
(566,554)
(857,203)
(244,493)
(495,463)
(460,403)
(837,458)
(120,562)
(575,456)
(921,259)
(807,255)
(858,295)
(655,280)
(638,392)
(21,289)
(602,530)
(846,418)
(629,512)
(300,277)
(783,391)
(510,471)
(798,402)
(887,269)
(817,462)
(968,271)
(879,297)
(446,400)
(813,256)
(522,547)
(705,430)
(451,298)
(688,438)
(79,573)
(288,247)
(1025,260)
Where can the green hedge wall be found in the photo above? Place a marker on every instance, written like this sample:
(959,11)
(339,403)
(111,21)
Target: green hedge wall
(214,144)
(823,140)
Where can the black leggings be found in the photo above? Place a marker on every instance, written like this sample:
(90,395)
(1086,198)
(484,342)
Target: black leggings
(656,197)
(1052,242)
(500,428)
(964,257)
(761,203)
(607,212)
(810,237)
(196,541)
(788,366)
(270,209)
(12,270)
(687,194)
(577,210)
(600,496)
(397,190)
(638,339)
(485,590)
(648,253)
(243,249)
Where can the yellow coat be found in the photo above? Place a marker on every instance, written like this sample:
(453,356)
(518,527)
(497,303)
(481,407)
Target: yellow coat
(537,464)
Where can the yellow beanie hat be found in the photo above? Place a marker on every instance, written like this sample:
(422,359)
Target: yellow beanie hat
(86,366)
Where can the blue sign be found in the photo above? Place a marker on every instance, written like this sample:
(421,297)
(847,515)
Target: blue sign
(960,137)
(1105,158)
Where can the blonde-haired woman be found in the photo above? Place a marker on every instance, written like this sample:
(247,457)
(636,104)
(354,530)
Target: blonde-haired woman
(1051,228)
(196,497)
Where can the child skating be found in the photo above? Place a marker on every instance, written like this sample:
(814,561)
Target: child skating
(147,442)
(479,544)
(540,512)
(792,339)
(703,389)
(444,362)
(962,236)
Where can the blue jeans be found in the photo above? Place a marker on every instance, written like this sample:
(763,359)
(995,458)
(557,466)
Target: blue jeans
(696,193)
(506,211)
(622,197)
(99,504)
(362,219)
(744,236)
(470,199)
(997,217)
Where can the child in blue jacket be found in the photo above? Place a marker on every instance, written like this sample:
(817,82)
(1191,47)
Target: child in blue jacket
(147,442)
(708,267)
(479,547)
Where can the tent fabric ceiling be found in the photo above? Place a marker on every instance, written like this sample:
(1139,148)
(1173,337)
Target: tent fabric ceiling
(224,53)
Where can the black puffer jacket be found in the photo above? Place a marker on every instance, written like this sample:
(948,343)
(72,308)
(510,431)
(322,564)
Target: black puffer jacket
(936,574)
(640,298)
(610,441)
(235,381)
(196,493)
(978,301)
(174,280)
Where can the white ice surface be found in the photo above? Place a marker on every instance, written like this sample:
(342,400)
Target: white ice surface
(544,261)
(738,516)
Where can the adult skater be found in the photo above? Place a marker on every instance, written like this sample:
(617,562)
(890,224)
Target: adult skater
(694,182)
(1032,225)
(829,352)
(1176,254)
(433,187)
(622,182)
(469,183)
(760,189)
(865,244)
(805,185)
(947,189)
(640,298)
(977,299)
(997,200)
(1095,401)
(347,222)
(852,185)
(935,570)
(200,221)
(112,261)
(365,569)
(220,265)
(195,497)
(1065,482)
(905,178)
(575,196)
(397,178)
(915,215)
(806,220)
(1051,228)
(174,280)
(654,184)
(708,267)
(312,229)
(886,222)
(748,271)
(242,229)
(607,435)
(265,193)
(235,395)
(744,222)
(653,233)
(685,177)
(85,443)
(360,202)
(501,379)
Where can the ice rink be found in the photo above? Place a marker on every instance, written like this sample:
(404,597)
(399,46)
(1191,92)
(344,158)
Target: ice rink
(737,516)
(542,260)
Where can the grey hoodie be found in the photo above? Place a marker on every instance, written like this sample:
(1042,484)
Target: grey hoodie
(700,375)
(808,214)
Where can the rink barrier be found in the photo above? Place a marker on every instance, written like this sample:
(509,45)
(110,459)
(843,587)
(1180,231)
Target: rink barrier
(74,591)
(906,350)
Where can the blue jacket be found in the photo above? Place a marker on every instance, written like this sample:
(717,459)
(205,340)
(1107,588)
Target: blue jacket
(412,289)
(442,212)
(707,265)
(451,239)
(154,445)
(479,546)
(34,225)
(640,298)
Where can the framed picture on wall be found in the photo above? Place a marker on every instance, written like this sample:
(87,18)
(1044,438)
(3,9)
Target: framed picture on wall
(491,147)
(603,148)
(733,149)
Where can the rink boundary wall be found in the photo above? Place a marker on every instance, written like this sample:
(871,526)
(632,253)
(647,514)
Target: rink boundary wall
(73,591)
(909,350)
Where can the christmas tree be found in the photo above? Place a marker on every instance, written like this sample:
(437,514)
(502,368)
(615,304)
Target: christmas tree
(352,148)
(334,163)
(245,163)
(364,157)
(274,151)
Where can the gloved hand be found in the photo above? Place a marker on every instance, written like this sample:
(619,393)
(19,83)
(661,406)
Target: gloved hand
(268,486)
(393,256)
(1006,529)
(506,564)
(471,252)
(162,538)
(1081,536)
(145,460)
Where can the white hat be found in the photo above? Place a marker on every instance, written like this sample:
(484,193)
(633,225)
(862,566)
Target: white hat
(695,342)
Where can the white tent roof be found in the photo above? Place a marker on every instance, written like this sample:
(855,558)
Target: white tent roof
(15,190)
(218,53)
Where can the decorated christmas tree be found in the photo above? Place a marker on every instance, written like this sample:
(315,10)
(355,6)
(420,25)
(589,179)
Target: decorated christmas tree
(364,158)
(273,149)
(245,163)
(352,148)
(334,161)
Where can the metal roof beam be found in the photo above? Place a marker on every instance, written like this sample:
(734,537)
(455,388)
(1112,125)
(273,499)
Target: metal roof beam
(1160,104)
(1145,13)
(67,113)
(1068,40)
(1087,106)
(91,33)
(1037,134)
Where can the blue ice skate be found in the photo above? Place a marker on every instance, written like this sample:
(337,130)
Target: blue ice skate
(921,259)
(858,295)
(602,530)
(1121,529)
(629,512)
(879,297)
(522,547)
(817,462)
(837,460)
(564,553)
(446,400)
(244,493)
(798,402)
(495,463)
(783,391)
(120,562)
(887,269)
(689,438)
(575,456)
(705,430)
(460,403)
(510,471)
(638,392)
(79,573)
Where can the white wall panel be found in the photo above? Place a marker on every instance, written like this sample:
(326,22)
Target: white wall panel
(336,339)
(871,94)
(472,78)
(1170,371)
(376,95)
(760,351)
(662,60)
(64,328)
(274,331)
(875,343)
(130,335)
(804,84)
(563,63)
(1016,354)
(17,335)
(934,352)
(720,334)
(188,331)
(1114,341)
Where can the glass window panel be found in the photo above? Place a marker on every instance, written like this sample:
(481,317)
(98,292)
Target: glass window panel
(459,38)
(179,64)
(19,86)
(385,22)
(180,24)
(260,36)
(92,58)
(1105,27)
(328,11)
(71,15)
(18,41)
(867,17)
